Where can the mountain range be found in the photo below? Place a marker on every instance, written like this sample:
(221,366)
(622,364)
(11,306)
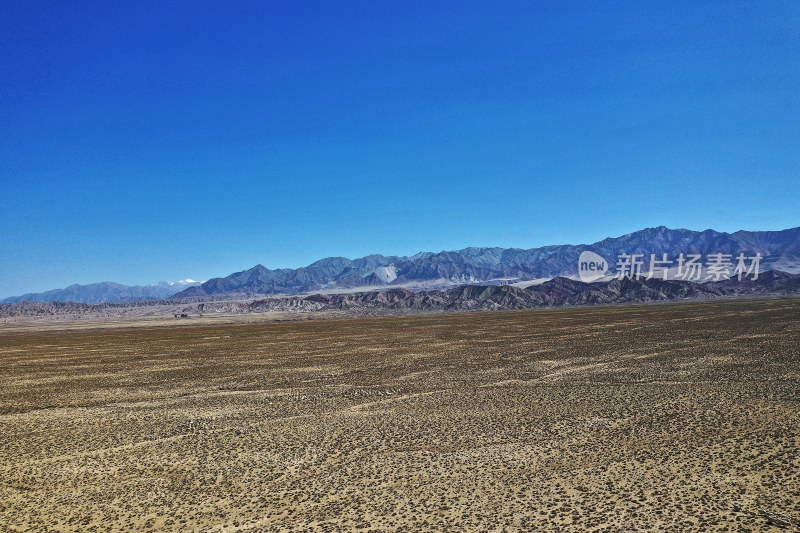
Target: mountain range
(557,292)
(427,270)
(106,291)
(780,251)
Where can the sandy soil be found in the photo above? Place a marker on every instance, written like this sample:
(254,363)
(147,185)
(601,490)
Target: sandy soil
(662,418)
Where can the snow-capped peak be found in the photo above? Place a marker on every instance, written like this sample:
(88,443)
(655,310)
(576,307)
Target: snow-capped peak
(181,283)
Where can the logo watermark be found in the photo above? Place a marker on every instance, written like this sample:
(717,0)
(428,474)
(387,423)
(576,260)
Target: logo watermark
(685,267)
(591,266)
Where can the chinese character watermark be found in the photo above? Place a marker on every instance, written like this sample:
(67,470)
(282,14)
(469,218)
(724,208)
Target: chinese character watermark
(686,267)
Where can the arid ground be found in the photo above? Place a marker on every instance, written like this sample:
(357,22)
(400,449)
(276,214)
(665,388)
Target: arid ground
(674,417)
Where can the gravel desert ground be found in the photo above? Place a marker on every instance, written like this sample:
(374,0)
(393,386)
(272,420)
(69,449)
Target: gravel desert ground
(671,417)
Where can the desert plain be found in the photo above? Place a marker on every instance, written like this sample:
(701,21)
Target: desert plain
(668,417)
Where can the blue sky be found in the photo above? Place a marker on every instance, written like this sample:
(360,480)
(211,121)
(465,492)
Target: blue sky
(147,141)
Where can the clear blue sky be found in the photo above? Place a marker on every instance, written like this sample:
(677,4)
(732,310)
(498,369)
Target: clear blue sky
(147,141)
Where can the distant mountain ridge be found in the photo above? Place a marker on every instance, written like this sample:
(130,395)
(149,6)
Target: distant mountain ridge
(780,251)
(106,291)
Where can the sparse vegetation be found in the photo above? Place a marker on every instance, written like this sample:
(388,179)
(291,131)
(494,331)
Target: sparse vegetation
(680,417)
